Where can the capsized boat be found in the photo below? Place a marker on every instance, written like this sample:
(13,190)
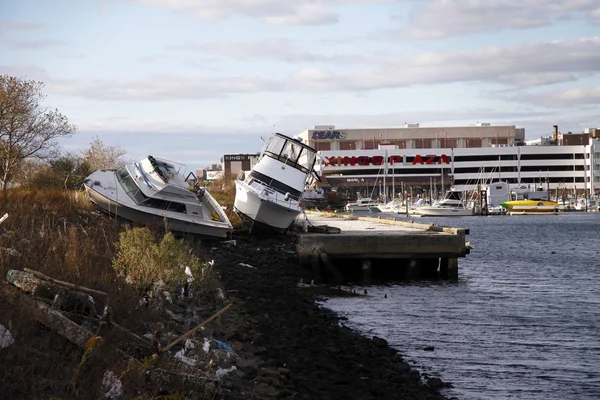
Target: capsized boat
(153,190)
(530,206)
(452,205)
(271,194)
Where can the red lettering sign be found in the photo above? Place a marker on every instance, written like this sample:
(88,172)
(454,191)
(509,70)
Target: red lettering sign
(363,161)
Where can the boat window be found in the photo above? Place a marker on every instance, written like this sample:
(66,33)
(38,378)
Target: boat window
(307,159)
(164,205)
(276,145)
(129,185)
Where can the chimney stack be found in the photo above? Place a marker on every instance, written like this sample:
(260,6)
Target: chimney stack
(555,135)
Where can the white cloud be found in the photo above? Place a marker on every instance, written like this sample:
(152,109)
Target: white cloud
(277,49)
(532,64)
(278,12)
(441,18)
(566,98)
(595,14)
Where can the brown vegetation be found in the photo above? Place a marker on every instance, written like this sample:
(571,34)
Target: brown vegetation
(58,233)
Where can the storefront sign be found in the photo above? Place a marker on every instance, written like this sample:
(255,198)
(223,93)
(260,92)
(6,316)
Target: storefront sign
(238,157)
(329,135)
(363,161)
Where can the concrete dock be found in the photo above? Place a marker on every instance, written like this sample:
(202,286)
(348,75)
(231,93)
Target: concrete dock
(348,248)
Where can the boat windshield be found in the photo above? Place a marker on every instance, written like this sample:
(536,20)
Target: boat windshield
(291,152)
(129,185)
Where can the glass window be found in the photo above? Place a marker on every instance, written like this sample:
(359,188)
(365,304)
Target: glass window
(129,185)
(307,159)
(275,145)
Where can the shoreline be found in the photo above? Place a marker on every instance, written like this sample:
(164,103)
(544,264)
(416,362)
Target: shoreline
(292,348)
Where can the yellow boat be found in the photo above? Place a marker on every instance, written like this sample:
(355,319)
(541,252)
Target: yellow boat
(530,206)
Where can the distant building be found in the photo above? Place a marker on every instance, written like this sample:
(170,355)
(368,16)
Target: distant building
(233,164)
(379,160)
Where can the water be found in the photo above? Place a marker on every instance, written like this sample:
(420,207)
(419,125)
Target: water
(522,322)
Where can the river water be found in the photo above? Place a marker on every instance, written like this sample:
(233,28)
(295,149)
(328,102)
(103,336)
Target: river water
(522,322)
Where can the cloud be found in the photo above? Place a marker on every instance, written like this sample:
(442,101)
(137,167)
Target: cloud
(160,87)
(276,49)
(436,19)
(531,64)
(595,14)
(277,12)
(566,98)
(20,26)
(18,44)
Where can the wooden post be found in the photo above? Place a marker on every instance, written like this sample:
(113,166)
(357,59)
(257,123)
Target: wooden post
(449,268)
(366,271)
(412,271)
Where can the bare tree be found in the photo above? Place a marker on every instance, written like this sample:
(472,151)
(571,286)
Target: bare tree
(101,156)
(28,129)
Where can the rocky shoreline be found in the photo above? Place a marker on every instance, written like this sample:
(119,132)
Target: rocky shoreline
(289,347)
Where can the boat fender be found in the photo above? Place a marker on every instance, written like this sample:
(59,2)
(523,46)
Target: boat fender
(287,196)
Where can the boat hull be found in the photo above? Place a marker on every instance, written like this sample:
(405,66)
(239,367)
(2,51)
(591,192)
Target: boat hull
(254,208)
(120,210)
(530,206)
(442,212)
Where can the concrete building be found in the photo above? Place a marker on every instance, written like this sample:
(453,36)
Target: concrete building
(233,164)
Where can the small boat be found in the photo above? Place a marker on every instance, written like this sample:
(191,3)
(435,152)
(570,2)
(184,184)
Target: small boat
(362,204)
(452,205)
(270,195)
(530,206)
(154,190)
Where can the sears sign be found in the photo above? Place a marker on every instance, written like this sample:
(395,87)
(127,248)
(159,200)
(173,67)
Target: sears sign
(328,135)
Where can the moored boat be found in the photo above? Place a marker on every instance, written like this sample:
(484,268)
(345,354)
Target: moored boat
(452,205)
(530,206)
(362,204)
(154,190)
(271,194)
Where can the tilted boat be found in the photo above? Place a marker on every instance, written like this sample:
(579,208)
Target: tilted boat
(270,195)
(154,190)
(526,206)
(452,205)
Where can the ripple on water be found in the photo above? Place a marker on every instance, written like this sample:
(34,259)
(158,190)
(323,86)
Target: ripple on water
(523,322)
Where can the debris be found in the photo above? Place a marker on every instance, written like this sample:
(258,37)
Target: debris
(231,242)
(111,385)
(195,329)
(10,251)
(6,338)
(224,346)
(3,218)
(221,372)
(246,265)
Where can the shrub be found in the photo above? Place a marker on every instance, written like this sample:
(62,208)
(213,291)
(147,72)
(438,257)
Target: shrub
(146,261)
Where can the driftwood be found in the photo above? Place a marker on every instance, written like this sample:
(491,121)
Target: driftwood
(84,289)
(80,336)
(196,328)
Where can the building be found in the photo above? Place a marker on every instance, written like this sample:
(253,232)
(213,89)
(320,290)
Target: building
(412,136)
(379,161)
(233,164)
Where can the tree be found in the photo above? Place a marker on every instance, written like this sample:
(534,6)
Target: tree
(99,156)
(28,128)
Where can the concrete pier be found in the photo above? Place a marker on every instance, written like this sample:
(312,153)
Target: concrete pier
(347,248)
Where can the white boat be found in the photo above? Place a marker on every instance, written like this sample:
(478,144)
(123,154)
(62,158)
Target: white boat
(154,190)
(271,193)
(393,206)
(452,205)
(362,204)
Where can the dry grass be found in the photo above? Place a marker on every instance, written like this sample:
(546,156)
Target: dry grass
(223,190)
(59,234)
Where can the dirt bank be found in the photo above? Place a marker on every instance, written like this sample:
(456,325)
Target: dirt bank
(290,347)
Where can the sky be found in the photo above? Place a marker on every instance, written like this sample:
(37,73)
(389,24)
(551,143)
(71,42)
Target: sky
(191,80)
